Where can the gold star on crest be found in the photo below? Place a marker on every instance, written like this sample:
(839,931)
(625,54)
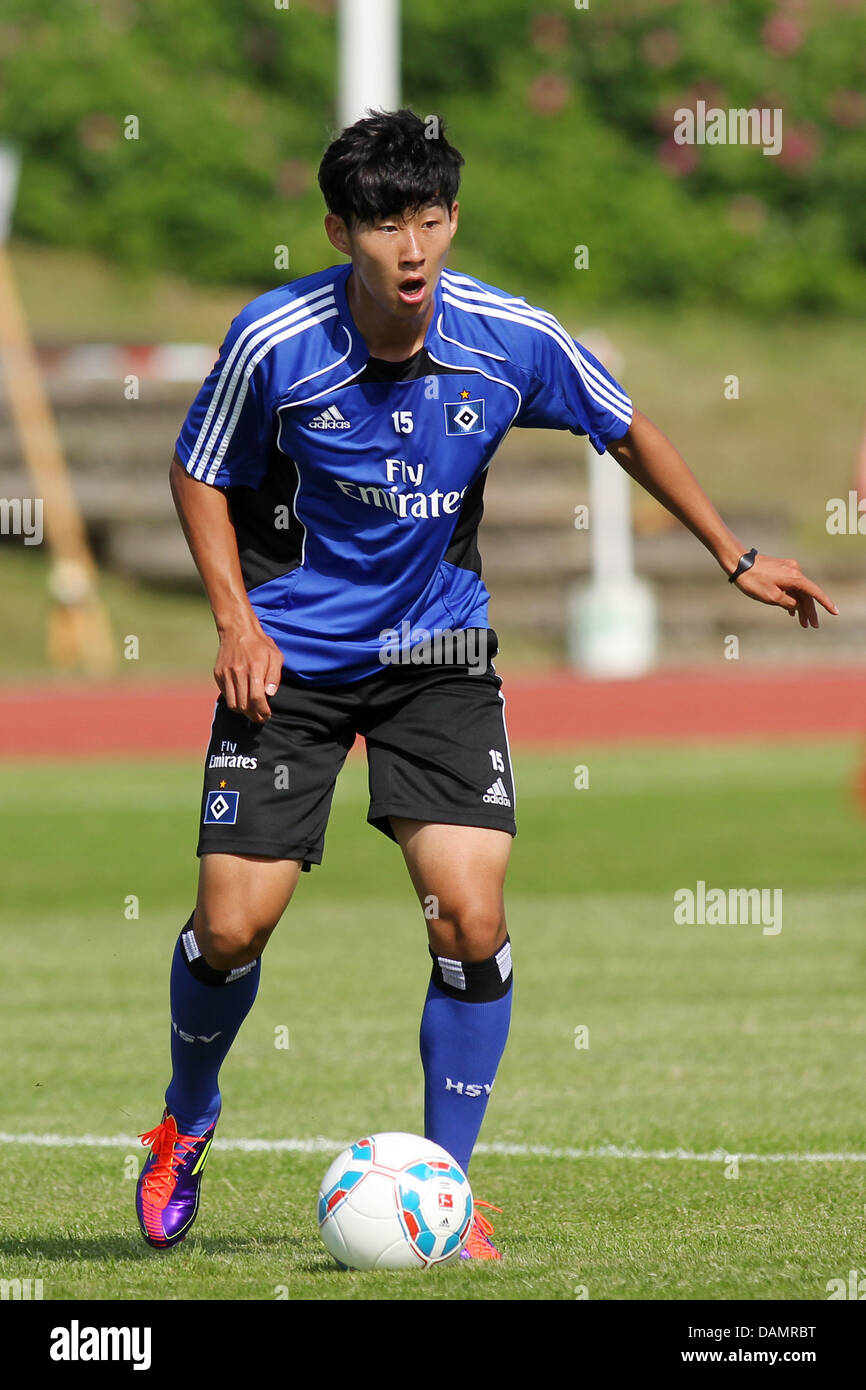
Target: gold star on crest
(463,395)
(222,784)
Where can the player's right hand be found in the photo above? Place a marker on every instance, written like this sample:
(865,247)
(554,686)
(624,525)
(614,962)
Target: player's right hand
(248,669)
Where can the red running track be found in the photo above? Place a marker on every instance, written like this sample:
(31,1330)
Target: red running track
(556,708)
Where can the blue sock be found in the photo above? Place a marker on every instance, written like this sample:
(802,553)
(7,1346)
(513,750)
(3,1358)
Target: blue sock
(464,1028)
(207,1009)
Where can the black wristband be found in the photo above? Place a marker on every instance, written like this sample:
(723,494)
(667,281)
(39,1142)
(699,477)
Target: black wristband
(746,562)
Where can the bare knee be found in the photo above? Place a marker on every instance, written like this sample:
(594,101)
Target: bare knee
(228,941)
(472,930)
(241,898)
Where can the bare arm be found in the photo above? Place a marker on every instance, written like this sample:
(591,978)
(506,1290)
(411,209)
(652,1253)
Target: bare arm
(651,459)
(248,663)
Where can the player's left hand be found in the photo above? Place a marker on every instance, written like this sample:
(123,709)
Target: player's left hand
(783,583)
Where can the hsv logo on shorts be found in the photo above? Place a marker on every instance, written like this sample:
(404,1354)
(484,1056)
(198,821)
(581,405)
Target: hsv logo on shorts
(221,808)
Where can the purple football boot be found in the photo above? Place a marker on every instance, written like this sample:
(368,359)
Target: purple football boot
(167,1194)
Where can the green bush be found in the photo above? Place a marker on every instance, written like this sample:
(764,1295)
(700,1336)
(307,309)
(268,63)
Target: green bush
(565,117)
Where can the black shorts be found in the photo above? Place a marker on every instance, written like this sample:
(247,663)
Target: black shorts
(437,750)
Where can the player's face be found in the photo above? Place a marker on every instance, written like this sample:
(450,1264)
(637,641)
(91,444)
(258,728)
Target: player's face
(398,260)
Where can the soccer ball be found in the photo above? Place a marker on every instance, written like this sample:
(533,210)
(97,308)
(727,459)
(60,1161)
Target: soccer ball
(394,1201)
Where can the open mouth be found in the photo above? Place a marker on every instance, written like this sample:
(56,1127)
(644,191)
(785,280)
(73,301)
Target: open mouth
(411,290)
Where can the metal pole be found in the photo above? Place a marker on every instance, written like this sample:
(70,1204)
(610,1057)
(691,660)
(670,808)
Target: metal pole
(610,532)
(612,625)
(369,57)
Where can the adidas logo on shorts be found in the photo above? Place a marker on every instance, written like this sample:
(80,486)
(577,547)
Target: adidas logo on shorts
(330,419)
(497,794)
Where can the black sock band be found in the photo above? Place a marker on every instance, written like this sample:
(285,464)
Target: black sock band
(477,981)
(198,966)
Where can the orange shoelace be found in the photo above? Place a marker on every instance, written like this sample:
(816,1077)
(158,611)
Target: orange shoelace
(169,1149)
(482,1229)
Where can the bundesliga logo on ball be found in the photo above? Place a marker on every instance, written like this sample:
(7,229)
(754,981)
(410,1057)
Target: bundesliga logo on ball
(394,1201)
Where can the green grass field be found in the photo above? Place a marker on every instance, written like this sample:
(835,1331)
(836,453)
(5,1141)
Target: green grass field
(704,1038)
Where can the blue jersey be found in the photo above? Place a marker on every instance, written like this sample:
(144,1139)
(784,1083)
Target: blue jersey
(355,485)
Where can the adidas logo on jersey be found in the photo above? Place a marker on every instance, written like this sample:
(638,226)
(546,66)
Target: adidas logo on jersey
(497,794)
(330,419)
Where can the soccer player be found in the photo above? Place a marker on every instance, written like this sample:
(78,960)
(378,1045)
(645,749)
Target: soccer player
(329,479)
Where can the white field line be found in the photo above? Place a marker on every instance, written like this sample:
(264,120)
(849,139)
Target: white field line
(321,1145)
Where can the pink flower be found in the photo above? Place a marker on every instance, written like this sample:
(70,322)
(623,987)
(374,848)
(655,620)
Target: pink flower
(782,35)
(847,108)
(549,32)
(679,160)
(548,94)
(800,146)
(661,48)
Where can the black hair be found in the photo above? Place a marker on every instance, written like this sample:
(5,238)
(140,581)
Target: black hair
(388,163)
